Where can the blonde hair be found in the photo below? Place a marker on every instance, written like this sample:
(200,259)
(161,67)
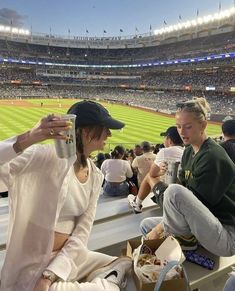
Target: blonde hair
(198,105)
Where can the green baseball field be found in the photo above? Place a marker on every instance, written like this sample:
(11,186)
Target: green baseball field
(17,116)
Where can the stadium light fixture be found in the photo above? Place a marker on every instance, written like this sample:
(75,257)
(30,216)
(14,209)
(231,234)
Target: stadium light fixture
(14,30)
(197,22)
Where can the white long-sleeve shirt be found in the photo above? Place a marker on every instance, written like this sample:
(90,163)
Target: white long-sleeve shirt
(38,184)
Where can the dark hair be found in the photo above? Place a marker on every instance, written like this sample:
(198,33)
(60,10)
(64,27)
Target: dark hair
(146,146)
(131,154)
(157,148)
(107,156)
(97,132)
(118,152)
(228,127)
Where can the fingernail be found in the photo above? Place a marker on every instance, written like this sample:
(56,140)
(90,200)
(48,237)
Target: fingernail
(69,127)
(69,123)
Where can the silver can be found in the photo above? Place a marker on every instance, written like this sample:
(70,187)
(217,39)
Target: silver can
(171,175)
(67,148)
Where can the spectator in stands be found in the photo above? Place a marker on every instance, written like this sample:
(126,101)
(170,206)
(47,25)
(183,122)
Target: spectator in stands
(116,171)
(130,156)
(143,163)
(202,209)
(107,156)
(173,151)
(228,129)
(137,150)
(99,160)
(53,204)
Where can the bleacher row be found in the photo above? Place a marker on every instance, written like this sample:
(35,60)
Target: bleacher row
(115,224)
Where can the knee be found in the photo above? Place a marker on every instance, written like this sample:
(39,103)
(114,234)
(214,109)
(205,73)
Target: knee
(175,192)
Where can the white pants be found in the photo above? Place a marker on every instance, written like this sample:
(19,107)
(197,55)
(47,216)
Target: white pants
(94,261)
(96,285)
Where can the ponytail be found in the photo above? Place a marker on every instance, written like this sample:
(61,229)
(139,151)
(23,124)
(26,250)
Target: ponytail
(80,148)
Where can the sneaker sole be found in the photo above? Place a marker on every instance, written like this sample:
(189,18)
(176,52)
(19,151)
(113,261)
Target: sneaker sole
(133,209)
(137,212)
(94,274)
(189,248)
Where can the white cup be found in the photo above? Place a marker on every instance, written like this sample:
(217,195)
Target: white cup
(67,148)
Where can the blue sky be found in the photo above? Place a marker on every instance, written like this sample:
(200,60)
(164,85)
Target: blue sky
(99,15)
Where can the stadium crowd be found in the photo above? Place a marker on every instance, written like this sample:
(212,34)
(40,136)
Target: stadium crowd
(170,79)
(163,101)
(166,51)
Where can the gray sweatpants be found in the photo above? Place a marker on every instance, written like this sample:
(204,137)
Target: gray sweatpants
(184,214)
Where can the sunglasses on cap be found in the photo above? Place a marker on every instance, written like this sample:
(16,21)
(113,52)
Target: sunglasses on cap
(183,104)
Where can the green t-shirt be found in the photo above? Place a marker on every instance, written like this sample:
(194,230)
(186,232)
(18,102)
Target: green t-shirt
(210,175)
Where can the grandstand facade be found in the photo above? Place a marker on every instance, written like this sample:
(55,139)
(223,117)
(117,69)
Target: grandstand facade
(149,70)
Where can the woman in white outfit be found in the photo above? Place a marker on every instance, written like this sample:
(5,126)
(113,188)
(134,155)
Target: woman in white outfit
(116,171)
(52,205)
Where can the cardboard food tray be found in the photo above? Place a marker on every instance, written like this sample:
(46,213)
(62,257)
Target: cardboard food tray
(170,285)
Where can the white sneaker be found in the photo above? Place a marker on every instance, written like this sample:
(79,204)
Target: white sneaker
(132,201)
(114,272)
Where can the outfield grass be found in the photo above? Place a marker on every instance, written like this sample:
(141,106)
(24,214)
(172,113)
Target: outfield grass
(140,125)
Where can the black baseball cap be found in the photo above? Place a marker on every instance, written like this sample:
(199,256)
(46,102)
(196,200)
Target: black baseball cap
(228,127)
(92,113)
(172,132)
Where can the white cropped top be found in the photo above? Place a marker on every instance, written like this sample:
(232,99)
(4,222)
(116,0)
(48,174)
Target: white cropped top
(75,203)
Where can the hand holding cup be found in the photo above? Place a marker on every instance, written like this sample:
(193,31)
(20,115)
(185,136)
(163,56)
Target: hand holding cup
(163,168)
(50,127)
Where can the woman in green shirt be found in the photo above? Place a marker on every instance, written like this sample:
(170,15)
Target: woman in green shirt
(202,208)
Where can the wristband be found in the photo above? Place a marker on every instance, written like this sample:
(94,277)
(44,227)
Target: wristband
(49,275)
